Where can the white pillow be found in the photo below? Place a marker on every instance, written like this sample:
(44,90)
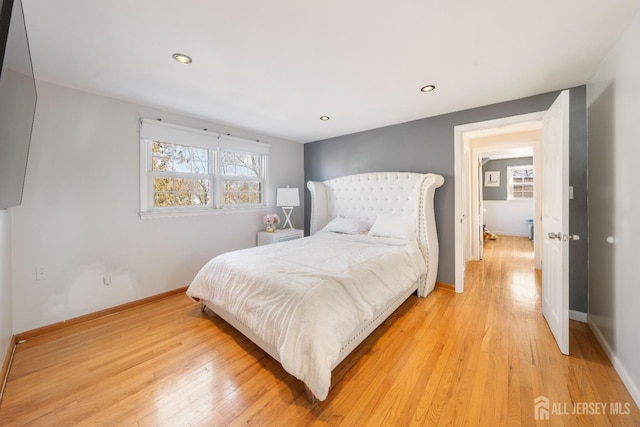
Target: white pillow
(396,226)
(346,226)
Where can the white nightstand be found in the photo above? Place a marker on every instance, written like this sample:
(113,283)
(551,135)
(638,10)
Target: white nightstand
(280,235)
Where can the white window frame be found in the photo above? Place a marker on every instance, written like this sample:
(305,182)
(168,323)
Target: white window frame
(179,175)
(154,130)
(222,178)
(510,183)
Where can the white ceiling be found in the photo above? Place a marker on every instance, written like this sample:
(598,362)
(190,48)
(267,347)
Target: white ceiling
(276,66)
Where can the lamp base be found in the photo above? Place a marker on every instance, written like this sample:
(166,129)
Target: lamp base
(287,216)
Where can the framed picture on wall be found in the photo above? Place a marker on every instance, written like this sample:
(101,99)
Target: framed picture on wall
(492,179)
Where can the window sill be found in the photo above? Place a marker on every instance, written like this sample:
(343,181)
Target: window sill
(221,211)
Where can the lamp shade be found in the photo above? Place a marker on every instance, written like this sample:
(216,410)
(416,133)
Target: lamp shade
(287,197)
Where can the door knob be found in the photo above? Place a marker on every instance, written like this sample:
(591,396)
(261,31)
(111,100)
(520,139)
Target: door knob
(610,240)
(555,236)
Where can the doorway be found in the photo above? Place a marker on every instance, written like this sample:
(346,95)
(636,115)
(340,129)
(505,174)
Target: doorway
(504,166)
(551,168)
(472,142)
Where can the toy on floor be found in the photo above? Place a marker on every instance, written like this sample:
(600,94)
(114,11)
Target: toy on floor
(487,234)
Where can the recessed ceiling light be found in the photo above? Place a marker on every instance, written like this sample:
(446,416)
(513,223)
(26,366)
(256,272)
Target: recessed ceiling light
(427,88)
(324,118)
(182,58)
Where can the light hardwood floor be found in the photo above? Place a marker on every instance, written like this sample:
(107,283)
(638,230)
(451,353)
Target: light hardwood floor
(478,358)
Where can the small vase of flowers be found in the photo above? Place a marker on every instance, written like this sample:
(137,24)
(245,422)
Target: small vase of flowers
(270,221)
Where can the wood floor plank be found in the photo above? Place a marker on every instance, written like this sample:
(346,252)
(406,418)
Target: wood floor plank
(477,358)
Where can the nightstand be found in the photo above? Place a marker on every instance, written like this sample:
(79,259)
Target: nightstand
(280,235)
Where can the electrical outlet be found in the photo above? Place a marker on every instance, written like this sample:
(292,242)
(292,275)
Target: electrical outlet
(41,273)
(106,280)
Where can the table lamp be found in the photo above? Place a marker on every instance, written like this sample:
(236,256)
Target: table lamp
(287,199)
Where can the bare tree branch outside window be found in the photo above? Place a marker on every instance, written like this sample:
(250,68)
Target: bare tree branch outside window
(521,181)
(242,178)
(182,176)
(169,161)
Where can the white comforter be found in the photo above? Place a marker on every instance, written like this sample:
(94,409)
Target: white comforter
(307,296)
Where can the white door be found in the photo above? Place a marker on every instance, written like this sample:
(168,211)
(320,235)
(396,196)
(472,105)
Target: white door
(555,220)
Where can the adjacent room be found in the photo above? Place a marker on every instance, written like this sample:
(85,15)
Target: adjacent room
(268,213)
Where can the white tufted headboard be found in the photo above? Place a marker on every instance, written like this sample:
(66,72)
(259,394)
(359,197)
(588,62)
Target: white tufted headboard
(363,196)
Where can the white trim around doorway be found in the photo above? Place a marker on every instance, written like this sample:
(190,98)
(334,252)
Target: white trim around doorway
(463,157)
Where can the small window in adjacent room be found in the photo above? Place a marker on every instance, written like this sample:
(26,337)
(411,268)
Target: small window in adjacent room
(186,171)
(520,182)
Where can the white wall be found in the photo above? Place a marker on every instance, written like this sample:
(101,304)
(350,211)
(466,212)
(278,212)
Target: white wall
(613,99)
(508,217)
(79,218)
(6,323)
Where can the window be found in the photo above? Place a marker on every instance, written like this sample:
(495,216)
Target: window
(187,170)
(520,182)
(241,178)
(181,175)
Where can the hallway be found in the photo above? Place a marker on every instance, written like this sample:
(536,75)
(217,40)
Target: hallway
(508,264)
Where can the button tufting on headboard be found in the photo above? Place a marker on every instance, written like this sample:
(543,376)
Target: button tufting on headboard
(345,195)
(363,196)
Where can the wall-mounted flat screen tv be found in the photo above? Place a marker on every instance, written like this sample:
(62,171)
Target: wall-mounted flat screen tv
(17,102)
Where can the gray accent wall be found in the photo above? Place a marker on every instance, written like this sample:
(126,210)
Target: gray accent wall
(427,145)
(500,165)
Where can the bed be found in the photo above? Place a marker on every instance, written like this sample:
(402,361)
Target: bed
(310,302)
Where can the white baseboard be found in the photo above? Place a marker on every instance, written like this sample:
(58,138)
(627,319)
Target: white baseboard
(633,388)
(578,315)
(508,233)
